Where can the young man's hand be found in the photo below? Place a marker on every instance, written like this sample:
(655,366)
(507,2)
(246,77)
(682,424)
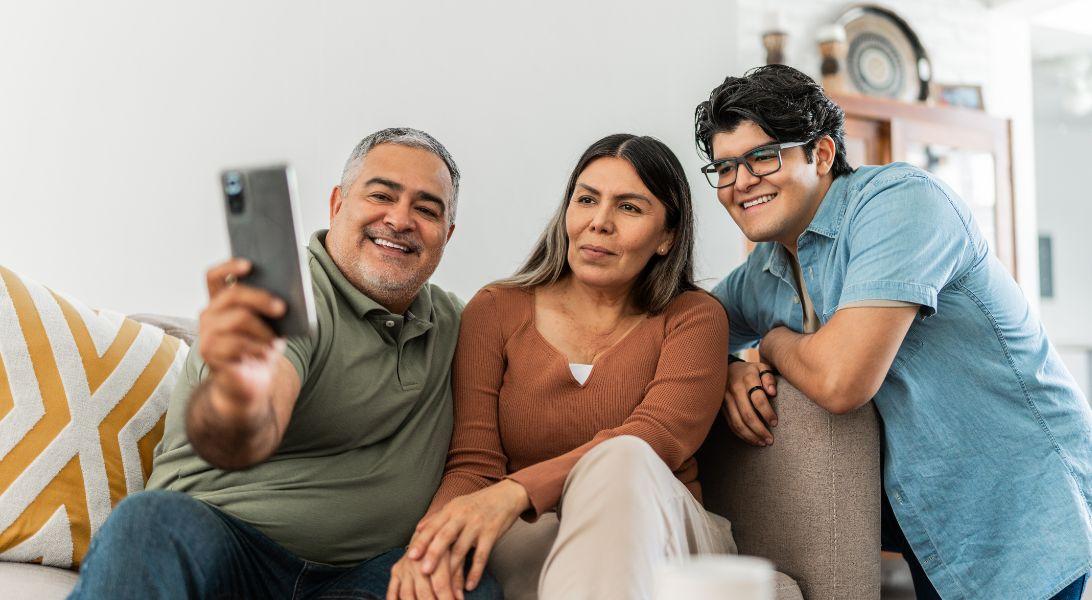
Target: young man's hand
(747,406)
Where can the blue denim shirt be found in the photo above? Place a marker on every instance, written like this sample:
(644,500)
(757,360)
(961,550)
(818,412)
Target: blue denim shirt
(987,438)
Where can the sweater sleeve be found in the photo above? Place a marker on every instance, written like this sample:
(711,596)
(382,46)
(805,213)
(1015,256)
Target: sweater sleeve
(476,458)
(678,407)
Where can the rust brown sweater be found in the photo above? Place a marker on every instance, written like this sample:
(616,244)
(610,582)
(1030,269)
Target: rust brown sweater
(520,414)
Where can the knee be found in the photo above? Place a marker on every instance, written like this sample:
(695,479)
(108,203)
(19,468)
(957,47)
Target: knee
(620,459)
(153,505)
(136,529)
(145,514)
(625,450)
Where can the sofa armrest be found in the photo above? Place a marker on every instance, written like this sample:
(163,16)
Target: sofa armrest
(810,502)
(182,328)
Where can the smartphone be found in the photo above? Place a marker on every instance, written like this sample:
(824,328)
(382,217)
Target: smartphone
(263,226)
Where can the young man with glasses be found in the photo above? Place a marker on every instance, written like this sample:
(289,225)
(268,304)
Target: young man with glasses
(876,284)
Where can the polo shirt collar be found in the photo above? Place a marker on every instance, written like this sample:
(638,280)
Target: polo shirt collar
(421,309)
(361,304)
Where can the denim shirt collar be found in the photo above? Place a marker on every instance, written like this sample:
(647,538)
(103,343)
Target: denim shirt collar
(828,219)
(776,262)
(826,222)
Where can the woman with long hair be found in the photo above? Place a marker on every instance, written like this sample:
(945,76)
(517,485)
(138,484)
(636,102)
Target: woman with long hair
(583,386)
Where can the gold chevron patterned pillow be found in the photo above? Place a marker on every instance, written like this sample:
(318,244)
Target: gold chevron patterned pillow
(82,399)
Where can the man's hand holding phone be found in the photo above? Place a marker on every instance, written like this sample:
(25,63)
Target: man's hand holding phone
(237,417)
(236,341)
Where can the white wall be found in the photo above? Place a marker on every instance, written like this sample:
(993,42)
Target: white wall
(115,120)
(116,116)
(1065,213)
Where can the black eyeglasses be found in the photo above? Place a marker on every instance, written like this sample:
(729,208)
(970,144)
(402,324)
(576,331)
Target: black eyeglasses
(761,161)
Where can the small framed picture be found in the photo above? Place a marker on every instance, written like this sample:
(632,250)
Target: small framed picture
(963,95)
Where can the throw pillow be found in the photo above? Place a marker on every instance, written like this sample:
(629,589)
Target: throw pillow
(82,399)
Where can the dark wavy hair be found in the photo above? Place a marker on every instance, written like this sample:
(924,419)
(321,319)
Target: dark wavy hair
(664,277)
(787,104)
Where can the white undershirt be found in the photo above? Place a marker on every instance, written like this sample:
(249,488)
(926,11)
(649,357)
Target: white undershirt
(580,372)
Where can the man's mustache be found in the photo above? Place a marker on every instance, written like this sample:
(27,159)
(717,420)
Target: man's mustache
(408,240)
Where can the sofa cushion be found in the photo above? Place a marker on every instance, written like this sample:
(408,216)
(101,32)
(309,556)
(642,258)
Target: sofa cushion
(35,582)
(82,399)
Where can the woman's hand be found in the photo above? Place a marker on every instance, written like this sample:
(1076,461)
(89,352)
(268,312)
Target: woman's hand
(408,582)
(471,521)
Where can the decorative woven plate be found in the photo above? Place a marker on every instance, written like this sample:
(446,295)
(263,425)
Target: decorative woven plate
(884,57)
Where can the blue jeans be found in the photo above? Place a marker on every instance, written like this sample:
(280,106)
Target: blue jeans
(161,544)
(894,541)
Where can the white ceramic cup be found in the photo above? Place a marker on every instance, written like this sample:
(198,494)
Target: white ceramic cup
(716,577)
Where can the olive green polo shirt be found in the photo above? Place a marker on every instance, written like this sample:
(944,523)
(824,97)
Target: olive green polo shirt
(365,448)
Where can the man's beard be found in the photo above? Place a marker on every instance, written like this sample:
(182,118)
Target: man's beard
(387,283)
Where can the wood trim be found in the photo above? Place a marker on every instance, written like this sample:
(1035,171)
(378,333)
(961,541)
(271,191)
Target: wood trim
(884,109)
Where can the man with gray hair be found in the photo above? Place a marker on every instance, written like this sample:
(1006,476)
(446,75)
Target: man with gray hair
(299,467)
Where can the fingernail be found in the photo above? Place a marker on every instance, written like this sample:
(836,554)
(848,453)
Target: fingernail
(279,306)
(413,553)
(769,441)
(427,567)
(773,423)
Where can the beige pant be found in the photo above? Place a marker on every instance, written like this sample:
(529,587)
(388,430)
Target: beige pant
(622,514)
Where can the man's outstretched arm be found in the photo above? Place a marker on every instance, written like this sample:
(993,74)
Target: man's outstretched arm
(841,366)
(237,416)
(234,432)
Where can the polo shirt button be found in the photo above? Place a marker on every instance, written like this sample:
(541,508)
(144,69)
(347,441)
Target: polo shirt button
(796,300)
(389,323)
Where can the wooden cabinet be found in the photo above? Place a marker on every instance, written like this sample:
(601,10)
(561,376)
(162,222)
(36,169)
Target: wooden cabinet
(967,149)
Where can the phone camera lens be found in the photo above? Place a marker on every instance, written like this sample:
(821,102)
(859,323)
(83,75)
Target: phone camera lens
(233,183)
(233,189)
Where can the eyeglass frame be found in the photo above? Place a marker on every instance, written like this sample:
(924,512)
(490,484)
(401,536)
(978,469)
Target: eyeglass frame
(742,160)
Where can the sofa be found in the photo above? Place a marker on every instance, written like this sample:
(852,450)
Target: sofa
(810,503)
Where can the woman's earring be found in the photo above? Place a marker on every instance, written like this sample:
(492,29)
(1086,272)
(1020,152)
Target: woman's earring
(662,250)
